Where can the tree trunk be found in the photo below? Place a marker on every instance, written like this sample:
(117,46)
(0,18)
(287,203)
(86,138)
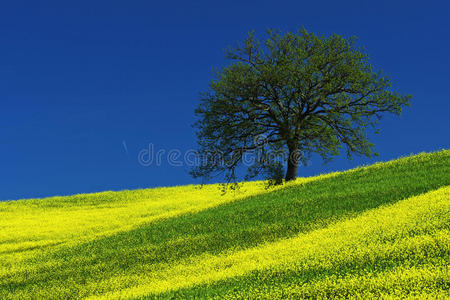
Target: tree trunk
(292,166)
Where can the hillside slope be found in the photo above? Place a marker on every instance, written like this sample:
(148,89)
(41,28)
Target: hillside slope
(377,230)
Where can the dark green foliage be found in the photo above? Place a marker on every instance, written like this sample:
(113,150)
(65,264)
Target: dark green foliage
(298,93)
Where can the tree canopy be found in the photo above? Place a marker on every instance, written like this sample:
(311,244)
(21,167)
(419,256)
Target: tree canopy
(294,93)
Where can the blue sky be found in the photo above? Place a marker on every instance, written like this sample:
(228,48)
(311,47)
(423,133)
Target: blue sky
(85,85)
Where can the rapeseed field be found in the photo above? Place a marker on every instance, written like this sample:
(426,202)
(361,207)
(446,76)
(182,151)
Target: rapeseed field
(375,231)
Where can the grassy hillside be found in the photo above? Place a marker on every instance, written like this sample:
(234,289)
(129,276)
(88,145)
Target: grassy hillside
(373,231)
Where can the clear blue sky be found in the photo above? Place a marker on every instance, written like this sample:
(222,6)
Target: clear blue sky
(79,79)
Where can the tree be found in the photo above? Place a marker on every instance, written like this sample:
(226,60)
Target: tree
(302,92)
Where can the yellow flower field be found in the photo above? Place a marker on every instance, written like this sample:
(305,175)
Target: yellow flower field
(375,231)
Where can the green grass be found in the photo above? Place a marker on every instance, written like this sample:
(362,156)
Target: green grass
(381,230)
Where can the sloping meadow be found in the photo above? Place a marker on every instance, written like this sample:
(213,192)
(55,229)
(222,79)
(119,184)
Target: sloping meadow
(372,231)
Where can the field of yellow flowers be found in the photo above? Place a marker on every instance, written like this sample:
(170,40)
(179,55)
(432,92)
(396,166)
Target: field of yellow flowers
(376,231)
